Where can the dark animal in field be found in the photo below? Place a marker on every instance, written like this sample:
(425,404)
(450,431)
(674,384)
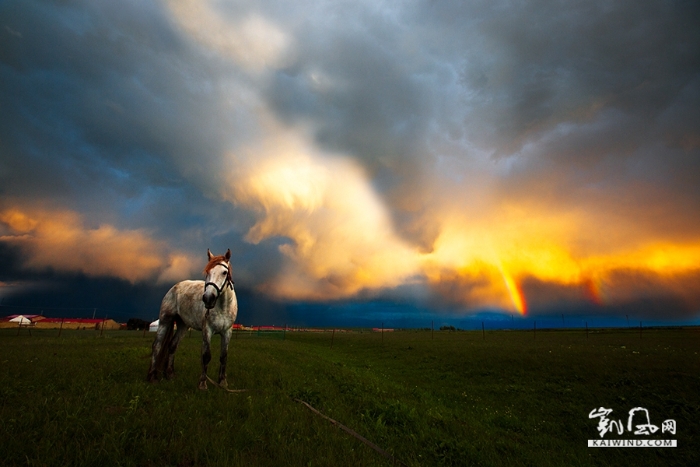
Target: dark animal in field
(209,306)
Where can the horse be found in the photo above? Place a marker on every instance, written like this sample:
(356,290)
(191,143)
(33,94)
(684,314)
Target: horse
(209,306)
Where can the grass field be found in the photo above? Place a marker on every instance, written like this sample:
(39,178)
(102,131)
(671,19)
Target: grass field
(457,399)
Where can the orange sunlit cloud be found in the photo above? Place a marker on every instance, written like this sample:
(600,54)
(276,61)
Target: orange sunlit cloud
(546,247)
(343,241)
(59,239)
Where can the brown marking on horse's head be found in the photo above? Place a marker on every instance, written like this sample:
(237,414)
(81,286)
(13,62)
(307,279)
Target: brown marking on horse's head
(215,260)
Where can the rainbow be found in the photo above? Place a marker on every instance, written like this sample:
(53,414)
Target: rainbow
(515,292)
(592,291)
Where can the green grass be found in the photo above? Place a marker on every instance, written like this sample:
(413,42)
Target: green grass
(459,399)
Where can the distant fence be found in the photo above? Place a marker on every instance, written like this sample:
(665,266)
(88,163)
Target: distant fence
(104,319)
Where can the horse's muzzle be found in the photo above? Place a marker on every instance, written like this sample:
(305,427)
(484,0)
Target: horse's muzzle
(209,299)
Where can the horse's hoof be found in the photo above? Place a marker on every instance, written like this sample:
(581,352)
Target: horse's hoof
(151,378)
(170,375)
(223,384)
(203,385)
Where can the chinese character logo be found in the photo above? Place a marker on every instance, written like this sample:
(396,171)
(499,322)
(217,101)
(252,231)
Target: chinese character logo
(638,422)
(643,428)
(670,426)
(605,425)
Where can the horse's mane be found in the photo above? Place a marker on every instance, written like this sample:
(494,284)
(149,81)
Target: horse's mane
(213,262)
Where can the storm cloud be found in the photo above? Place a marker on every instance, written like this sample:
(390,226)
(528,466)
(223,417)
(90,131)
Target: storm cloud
(516,156)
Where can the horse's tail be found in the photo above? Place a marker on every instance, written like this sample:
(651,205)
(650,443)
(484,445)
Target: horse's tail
(163,353)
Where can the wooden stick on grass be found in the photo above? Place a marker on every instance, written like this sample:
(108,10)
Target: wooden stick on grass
(226,389)
(353,433)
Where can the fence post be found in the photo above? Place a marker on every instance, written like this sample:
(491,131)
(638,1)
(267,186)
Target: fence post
(61,327)
(102,329)
(19,326)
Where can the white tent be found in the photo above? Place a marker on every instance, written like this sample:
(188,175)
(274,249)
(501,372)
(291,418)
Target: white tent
(21,320)
(153,327)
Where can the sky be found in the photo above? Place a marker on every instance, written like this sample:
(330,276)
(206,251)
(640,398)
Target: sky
(365,161)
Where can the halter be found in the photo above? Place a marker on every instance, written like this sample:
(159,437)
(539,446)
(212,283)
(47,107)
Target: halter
(227,282)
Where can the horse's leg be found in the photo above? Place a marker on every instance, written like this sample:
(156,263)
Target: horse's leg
(225,338)
(164,327)
(157,343)
(206,355)
(168,310)
(181,330)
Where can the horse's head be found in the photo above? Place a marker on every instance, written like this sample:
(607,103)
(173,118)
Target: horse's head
(217,277)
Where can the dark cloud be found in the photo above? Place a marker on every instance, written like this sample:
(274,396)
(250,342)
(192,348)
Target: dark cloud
(627,292)
(105,101)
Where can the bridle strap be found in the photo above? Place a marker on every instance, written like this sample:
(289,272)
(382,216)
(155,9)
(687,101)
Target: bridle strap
(228,282)
(213,284)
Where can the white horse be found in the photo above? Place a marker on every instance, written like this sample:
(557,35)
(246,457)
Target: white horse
(209,306)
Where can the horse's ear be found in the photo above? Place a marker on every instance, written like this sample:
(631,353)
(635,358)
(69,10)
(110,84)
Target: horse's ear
(209,255)
(228,254)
